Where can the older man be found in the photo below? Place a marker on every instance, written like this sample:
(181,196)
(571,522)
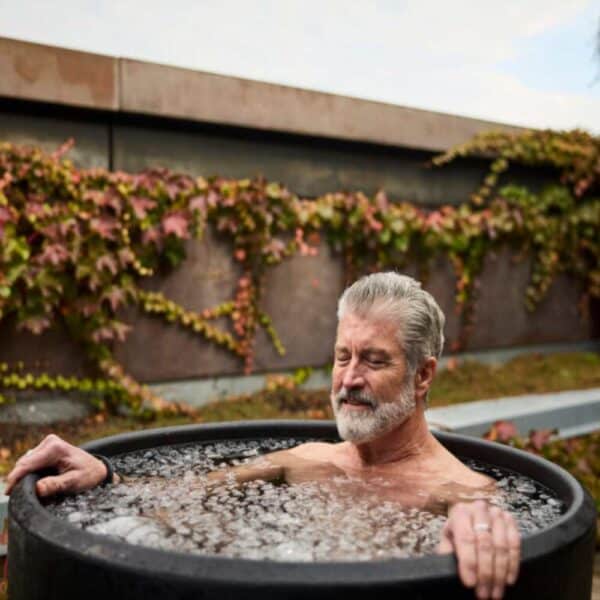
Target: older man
(389,339)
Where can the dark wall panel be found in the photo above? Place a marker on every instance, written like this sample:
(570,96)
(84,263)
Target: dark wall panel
(307,167)
(92,140)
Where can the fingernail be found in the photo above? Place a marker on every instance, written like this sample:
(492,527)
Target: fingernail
(497,593)
(483,592)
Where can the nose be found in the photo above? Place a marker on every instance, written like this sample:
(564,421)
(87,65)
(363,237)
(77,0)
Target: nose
(352,376)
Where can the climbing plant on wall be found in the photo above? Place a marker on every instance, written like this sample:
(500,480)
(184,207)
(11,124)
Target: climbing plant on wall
(76,244)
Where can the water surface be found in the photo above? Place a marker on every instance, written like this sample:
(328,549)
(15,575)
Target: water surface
(167,503)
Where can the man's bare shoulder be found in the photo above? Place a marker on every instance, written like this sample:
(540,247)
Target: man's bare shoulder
(461,474)
(317,451)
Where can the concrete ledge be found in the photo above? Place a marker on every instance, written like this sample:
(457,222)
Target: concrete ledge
(49,74)
(181,93)
(573,413)
(55,75)
(40,408)
(498,356)
(199,392)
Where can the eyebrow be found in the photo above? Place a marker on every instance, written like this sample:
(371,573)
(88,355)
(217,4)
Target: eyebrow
(380,352)
(369,351)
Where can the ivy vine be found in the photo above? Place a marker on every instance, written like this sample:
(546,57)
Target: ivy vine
(76,244)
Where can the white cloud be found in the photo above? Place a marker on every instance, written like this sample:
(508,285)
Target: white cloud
(506,99)
(424,53)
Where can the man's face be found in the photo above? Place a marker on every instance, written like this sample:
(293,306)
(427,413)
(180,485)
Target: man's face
(372,390)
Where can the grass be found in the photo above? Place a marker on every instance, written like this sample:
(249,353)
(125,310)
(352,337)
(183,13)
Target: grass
(527,374)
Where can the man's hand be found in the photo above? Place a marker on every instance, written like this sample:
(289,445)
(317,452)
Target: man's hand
(77,470)
(487,544)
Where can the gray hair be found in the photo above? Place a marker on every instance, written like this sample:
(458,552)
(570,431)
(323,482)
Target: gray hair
(419,319)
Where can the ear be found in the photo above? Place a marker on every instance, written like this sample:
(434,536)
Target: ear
(424,377)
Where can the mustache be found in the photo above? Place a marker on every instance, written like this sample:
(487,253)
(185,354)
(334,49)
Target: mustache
(355,395)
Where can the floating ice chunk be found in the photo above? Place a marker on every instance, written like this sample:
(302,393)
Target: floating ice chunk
(135,530)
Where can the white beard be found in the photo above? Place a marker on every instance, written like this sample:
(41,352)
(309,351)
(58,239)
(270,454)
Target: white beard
(379,419)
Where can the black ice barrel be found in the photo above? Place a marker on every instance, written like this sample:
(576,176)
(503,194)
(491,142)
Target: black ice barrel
(49,558)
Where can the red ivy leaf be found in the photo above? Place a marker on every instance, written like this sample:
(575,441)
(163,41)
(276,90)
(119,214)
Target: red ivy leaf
(32,209)
(87,307)
(103,333)
(240,254)
(5,215)
(172,189)
(109,332)
(126,256)
(115,297)
(94,196)
(68,225)
(121,330)
(382,202)
(275,247)
(113,199)
(502,431)
(5,180)
(54,254)
(152,235)
(63,149)
(104,198)
(213,198)
(176,224)
(141,206)
(51,232)
(106,261)
(35,324)
(434,220)
(198,203)
(104,227)
(538,439)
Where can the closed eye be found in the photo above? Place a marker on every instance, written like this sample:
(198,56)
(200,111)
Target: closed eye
(377,362)
(376,359)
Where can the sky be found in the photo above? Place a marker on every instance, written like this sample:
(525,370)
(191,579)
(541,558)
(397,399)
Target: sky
(525,62)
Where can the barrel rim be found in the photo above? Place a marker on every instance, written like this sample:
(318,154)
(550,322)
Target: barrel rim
(27,511)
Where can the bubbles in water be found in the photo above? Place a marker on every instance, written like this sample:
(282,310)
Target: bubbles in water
(166,503)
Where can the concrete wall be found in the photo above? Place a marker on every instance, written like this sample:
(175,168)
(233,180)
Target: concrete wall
(301,300)
(130,115)
(308,167)
(93,146)
(66,77)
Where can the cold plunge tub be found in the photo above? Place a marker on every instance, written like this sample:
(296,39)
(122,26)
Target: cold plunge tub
(50,558)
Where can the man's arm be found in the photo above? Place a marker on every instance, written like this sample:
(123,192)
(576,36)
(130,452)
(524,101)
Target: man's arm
(77,469)
(267,468)
(487,544)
